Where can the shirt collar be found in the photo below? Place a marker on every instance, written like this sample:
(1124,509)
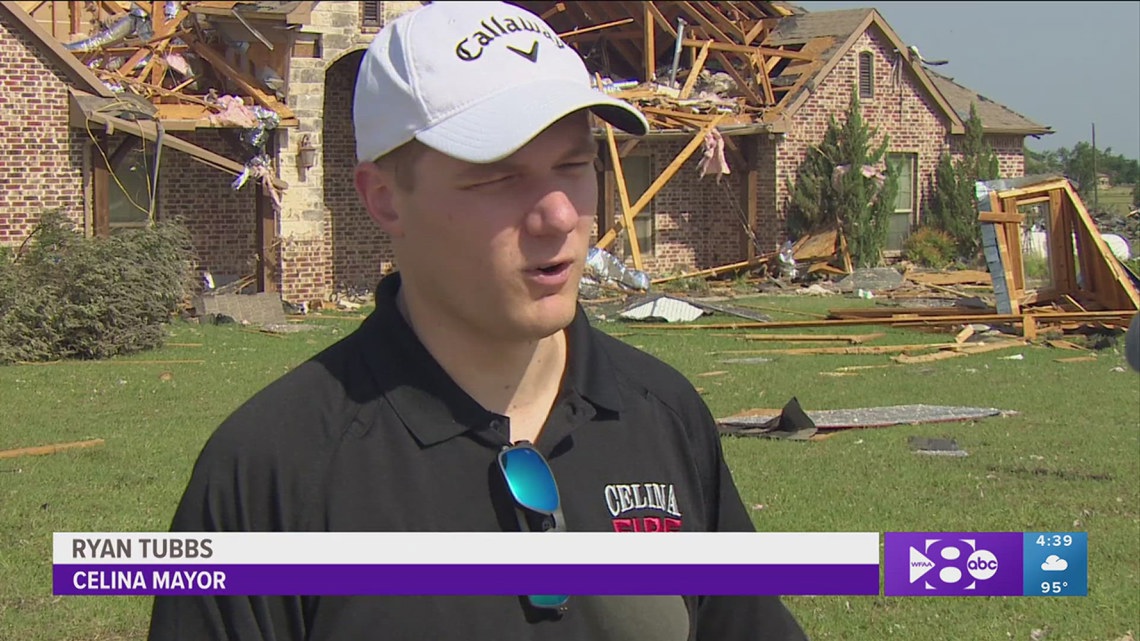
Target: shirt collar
(431,405)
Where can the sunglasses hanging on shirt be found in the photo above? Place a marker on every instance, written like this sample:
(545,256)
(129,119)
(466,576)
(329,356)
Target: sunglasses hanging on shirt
(538,506)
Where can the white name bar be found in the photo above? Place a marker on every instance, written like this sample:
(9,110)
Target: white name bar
(474,548)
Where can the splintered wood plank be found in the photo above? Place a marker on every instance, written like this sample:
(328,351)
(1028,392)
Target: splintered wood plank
(1007,271)
(695,72)
(623,194)
(796,338)
(49,449)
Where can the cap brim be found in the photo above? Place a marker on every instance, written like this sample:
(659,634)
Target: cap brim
(502,124)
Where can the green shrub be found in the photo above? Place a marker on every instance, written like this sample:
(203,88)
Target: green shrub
(67,296)
(930,247)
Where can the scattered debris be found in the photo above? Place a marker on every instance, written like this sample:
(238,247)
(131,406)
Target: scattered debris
(248,309)
(49,449)
(935,446)
(874,279)
(673,310)
(1081,266)
(747,361)
(871,416)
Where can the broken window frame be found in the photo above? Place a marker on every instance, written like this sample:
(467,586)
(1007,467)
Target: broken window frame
(865,75)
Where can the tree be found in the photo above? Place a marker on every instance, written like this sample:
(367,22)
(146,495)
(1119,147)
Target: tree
(953,207)
(840,184)
(1078,164)
(978,158)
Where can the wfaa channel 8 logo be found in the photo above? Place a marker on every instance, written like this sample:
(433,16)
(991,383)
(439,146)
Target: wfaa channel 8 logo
(966,564)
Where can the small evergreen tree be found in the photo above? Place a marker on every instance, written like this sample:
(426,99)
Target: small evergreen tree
(953,206)
(840,185)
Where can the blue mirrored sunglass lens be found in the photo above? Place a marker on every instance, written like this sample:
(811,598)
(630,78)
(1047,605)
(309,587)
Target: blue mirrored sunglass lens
(548,600)
(530,480)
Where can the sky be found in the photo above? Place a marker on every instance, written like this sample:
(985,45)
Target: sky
(1065,65)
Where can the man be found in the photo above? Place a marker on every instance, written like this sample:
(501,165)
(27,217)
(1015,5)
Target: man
(476,158)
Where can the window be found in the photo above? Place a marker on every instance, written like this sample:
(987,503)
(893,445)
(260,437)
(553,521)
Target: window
(866,75)
(904,166)
(372,14)
(638,175)
(129,188)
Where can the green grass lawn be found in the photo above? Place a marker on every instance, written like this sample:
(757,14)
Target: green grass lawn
(1069,461)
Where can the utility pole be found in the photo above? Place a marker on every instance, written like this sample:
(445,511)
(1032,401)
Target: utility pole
(1096,176)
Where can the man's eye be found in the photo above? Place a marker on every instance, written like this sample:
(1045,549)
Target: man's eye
(583,164)
(490,182)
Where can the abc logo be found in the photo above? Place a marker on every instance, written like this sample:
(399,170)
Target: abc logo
(982,564)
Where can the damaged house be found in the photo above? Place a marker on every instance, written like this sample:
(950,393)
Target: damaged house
(235,117)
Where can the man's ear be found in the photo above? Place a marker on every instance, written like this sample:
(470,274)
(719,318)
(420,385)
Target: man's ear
(376,188)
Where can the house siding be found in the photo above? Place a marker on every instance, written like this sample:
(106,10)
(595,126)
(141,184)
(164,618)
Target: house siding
(41,168)
(900,110)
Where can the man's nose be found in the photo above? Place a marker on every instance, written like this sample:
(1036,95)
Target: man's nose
(553,213)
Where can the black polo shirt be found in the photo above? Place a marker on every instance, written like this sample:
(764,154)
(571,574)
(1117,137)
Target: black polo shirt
(373,435)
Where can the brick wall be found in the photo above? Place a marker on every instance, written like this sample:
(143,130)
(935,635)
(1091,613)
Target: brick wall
(903,111)
(41,166)
(222,221)
(360,251)
(1010,152)
(699,223)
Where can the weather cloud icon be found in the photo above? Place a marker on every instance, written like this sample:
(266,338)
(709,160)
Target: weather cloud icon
(1054,563)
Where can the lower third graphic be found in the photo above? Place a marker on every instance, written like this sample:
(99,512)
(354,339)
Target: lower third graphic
(953,564)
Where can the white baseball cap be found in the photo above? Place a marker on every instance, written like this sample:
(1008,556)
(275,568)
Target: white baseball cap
(473,80)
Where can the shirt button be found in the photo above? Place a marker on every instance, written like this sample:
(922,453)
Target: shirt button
(499,425)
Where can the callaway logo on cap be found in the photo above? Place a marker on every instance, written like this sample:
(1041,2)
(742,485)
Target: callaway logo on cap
(473,80)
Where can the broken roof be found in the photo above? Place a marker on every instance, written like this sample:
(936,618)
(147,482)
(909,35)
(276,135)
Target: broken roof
(995,117)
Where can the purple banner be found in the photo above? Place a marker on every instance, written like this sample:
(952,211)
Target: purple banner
(952,564)
(464,579)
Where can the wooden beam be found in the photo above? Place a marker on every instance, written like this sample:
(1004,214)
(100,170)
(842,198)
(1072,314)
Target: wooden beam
(712,29)
(1002,217)
(628,146)
(663,178)
(1013,244)
(660,19)
(727,26)
(623,194)
(1007,270)
(49,449)
(557,8)
(597,27)
(751,196)
(74,11)
(761,69)
(756,32)
(1060,245)
(694,72)
(650,46)
(749,50)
